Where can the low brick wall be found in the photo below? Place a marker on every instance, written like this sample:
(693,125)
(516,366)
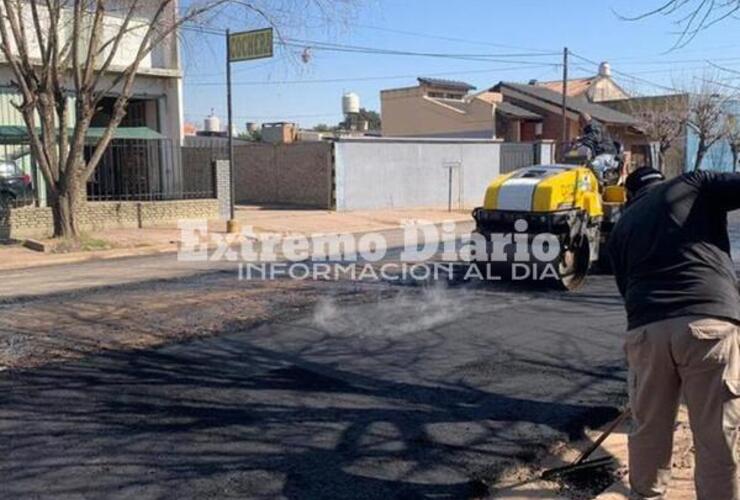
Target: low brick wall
(29,222)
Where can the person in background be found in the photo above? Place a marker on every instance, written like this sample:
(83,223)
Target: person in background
(670,253)
(594,136)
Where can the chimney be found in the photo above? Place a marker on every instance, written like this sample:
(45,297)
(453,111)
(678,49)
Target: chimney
(605,69)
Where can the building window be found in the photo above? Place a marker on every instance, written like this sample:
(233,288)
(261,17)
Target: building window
(446,95)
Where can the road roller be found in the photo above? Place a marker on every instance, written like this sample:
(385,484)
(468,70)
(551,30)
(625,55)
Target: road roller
(574,203)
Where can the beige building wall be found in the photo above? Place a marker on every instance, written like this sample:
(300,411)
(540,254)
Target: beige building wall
(409,112)
(604,89)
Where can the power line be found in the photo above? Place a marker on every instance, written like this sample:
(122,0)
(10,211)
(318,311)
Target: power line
(445,38)
(330,45)
(627,75)
(720,84)
(218,31)
(631,75)
(725,69)
(360,79)
(644,62)
(335,47)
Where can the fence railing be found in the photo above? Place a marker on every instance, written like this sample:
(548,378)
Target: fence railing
(148,170)
(516,155)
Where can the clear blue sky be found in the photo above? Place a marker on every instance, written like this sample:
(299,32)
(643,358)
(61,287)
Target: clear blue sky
(282,88)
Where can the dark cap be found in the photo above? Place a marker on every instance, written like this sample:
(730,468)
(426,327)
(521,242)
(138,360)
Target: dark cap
(642,177)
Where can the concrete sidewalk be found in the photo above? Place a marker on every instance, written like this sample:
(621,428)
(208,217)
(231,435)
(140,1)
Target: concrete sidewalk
(284,221)
(682,482)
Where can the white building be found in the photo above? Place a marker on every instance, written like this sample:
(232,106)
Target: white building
(156,101)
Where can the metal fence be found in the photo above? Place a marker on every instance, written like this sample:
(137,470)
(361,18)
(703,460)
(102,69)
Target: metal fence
(146,170)
(516,155)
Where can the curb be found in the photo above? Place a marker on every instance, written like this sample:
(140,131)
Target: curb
(169,248)
(91,256)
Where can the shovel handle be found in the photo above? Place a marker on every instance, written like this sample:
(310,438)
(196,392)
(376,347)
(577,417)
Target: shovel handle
(616,423)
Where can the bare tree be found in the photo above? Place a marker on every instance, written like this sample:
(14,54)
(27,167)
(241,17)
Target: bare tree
(65,57)
(707,113)
(662,119)
(690,16)
(732,136)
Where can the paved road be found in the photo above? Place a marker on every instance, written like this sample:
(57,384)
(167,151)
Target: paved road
(102,273)
(413,395)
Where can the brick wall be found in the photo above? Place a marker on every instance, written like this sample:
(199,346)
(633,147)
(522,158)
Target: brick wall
(37,222)
(294,174)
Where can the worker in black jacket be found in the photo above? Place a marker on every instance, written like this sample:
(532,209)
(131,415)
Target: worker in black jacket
(671,256)
(595,137)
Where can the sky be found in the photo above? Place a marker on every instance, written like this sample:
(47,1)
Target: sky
(483,42)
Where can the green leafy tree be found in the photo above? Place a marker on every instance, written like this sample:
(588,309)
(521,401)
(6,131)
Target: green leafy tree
(365,115)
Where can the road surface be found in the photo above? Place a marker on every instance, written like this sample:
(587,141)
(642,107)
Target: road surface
(408,392)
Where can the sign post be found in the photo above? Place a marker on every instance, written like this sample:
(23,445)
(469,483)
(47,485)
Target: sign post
(243,46)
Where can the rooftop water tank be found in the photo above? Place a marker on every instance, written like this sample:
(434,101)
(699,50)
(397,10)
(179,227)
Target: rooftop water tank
(212,123)
(350,103)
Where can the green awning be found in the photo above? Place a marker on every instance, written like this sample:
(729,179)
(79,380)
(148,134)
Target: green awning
(15,134)
(138,133)
(12,134)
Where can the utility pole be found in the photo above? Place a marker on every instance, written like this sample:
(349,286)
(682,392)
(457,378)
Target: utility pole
(244,46)
(232,225)
(565,136)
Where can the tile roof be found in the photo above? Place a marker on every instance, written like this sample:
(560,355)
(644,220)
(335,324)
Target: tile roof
(448,84)
(576,87)
(488,96)
(574,104)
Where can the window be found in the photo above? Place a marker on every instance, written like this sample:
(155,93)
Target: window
(446,95)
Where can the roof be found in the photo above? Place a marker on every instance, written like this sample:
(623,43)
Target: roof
(489,97)
(14,134)
(576,87)
(447,84)
(515,111)
(574,104)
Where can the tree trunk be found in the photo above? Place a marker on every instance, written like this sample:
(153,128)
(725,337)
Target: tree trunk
(63,207)
(735,152)
(699,157)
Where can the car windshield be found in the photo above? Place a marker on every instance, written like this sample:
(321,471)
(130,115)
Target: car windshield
(8,169)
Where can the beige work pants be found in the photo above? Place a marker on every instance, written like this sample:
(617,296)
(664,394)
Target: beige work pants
(699,359)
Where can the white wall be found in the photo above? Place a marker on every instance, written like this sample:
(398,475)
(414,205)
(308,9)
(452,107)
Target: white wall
(164,56)
(403,173)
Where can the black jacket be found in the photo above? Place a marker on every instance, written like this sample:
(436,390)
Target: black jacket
(671,252)
(597,139)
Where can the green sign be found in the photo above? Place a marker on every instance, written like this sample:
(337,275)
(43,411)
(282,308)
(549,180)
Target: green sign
(249,45)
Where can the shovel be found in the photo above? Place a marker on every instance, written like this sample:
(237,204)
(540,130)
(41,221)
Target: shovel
(581,463)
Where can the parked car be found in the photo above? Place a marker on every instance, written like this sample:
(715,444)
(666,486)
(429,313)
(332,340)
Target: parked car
(16,188)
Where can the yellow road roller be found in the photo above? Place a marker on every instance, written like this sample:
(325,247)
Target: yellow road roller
(568,203)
